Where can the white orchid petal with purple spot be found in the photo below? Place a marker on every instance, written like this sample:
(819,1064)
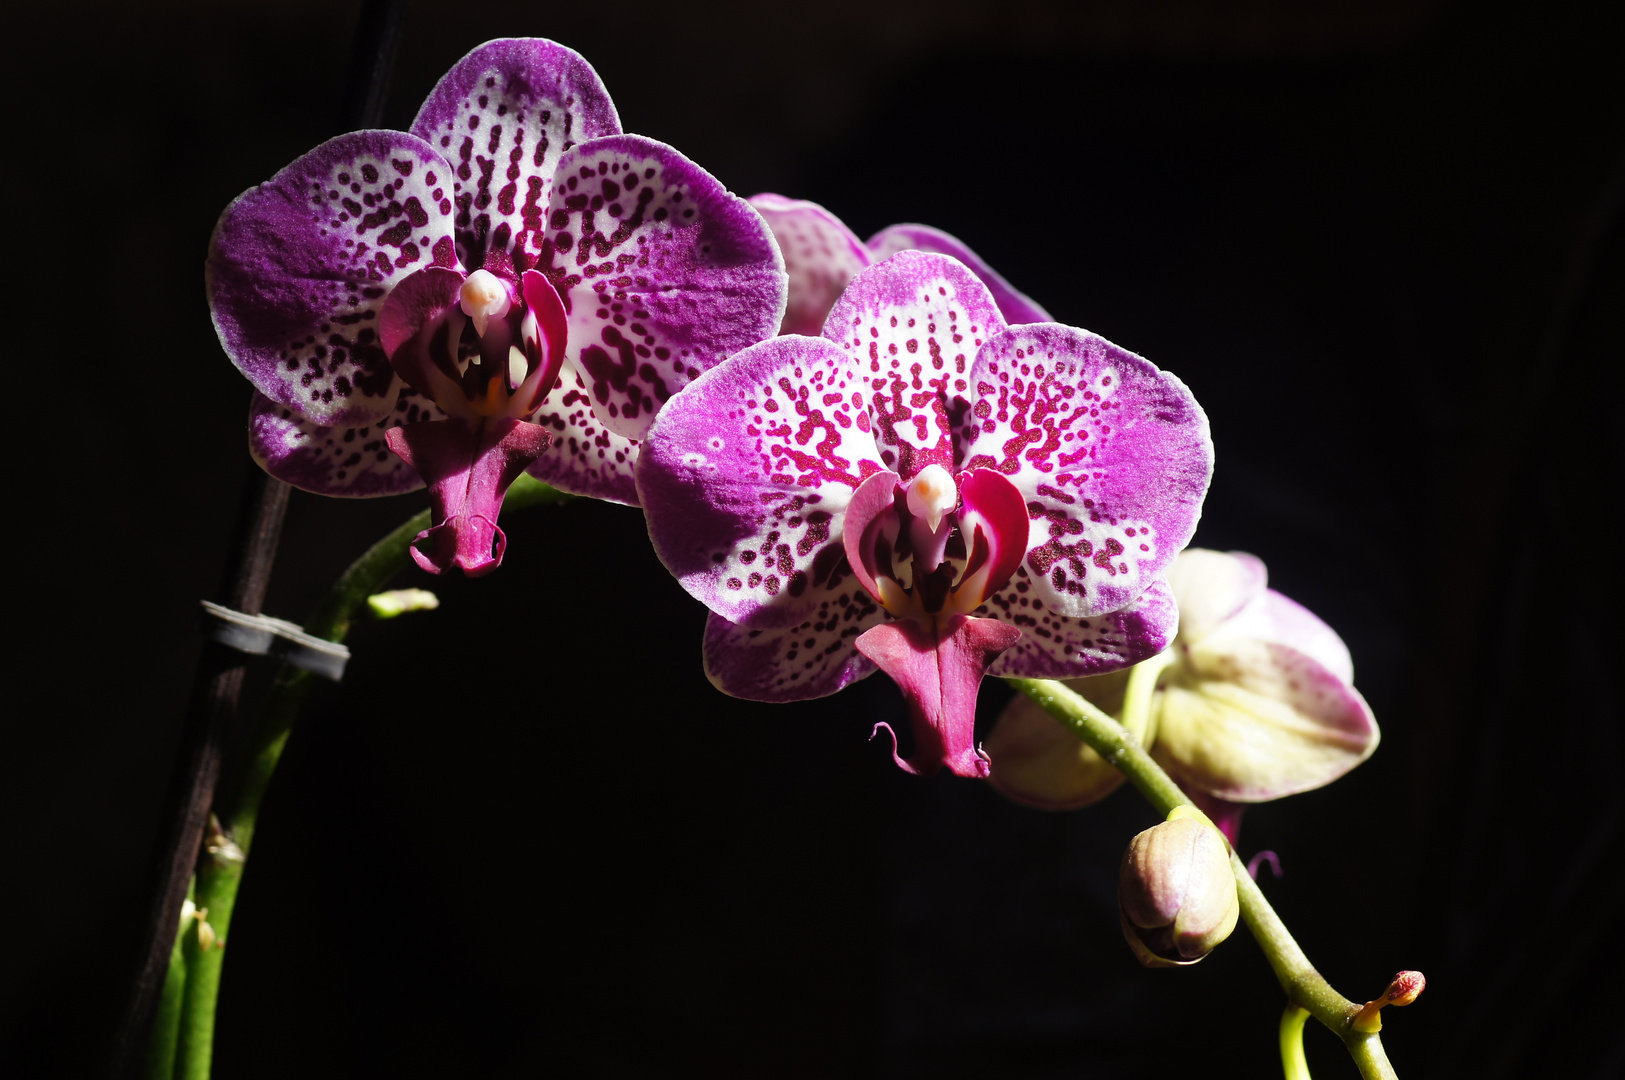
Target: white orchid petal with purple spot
(350,462)
(663,271)
(1213,586)
(1283,621)
(502,118)
(811,659)
(821,255)
(1055,646)
(745,479)
(586,458)
(299,266)
(1113,455)
(1259,721)
(1015,305)
(913,332)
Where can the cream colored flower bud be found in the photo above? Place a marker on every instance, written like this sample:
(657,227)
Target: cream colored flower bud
(1176,892)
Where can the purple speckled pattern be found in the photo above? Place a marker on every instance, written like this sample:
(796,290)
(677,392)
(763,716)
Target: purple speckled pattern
(299,266)
(586,458)
(913,330)
(1113,455)
(1015,305)
(663,273)
(820,256)
(503,116)
(515,163)
(747,476)
(811,659)
(1055,646)
(349,462)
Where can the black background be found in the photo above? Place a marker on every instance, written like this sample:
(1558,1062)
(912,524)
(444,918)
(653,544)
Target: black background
(1381,243)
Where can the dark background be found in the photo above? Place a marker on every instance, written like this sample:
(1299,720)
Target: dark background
(1381,243)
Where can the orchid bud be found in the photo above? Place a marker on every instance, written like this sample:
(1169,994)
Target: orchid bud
(1176,891)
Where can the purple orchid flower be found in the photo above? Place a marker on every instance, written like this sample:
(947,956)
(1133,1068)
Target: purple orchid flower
(822,255)
(513,285)
(930,491)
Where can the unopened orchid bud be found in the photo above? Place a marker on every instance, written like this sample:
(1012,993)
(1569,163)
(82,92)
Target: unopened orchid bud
(1406,988)
(387,605)
(1176,891)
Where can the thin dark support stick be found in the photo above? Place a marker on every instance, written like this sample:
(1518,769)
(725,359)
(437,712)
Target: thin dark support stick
(219,681)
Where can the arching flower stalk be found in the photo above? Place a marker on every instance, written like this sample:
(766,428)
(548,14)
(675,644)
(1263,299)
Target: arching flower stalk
(513,285)
(929,491)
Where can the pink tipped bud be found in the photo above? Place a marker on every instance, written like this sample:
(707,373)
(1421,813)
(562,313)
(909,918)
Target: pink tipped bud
(1406,988)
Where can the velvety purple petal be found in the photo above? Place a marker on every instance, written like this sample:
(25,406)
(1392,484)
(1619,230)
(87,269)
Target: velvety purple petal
(503,117)
(1015,305)
(1212,586)
(1113,455)
(820,255)
(663,271)
(586,458)
(913,325)
(746,476)
(812,659)
(1055,646)
(351,462)
(299,267)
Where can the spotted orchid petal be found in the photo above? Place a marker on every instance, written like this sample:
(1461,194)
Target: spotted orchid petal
(1112,454)
(299,266)
(352,462)
(1055,646)
(912,325)
(939,668)
(503,117)
(820,256)
(812,659)
(468,470)
(663,271)
(746,476)
(585,457)
(1015,305)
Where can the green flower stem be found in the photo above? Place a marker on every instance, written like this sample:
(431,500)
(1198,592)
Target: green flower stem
(1302,984)
(166,1023)
(220,869)
(1293,1064)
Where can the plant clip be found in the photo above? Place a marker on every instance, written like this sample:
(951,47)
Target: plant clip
(261,635)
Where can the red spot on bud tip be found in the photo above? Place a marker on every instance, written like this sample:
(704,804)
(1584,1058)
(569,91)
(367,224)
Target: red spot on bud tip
(1405,988)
